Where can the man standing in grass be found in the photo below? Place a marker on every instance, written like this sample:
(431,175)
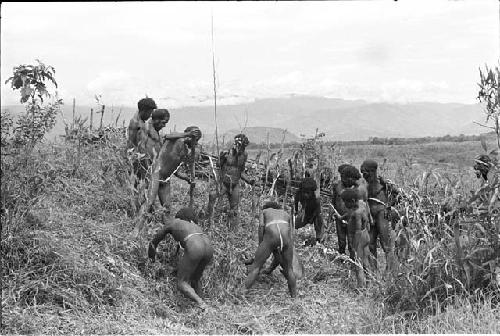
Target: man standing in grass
(145,107)
(149,140)
(232,169)
(136,131)
(381,196)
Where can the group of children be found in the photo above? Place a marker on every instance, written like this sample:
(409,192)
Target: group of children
(359,201)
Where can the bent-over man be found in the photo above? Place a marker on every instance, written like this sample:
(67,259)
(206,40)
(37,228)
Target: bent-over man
(274,237)
(197,252)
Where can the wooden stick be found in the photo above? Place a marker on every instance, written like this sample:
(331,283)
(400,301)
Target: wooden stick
(102,115)
(73,125)
(91,118)
(192,185)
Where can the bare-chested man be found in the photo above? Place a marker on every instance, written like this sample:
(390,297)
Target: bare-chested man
(198,251)
(232,169)
(311,209)
(274,237)
(358,223)
(175,151)
(145,107)
(381,196)
(149,140)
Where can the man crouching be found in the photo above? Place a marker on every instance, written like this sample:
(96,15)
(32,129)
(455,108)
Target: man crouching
(274,237)
(198,251)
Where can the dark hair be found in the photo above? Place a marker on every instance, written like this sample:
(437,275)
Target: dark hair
(187,214)
(308,184)
(159,114)
(341,167)
(272,205)
(349,195)
(197,132)
(350,171)
(146,104)
(369,165)
(243,138)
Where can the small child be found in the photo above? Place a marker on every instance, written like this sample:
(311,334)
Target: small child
(357,229)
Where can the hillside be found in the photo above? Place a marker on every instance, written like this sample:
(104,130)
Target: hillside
(339,119)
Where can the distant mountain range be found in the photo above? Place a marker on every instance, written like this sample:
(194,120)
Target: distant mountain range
(339,119)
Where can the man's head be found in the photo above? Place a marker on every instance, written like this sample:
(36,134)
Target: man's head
(482,164)
(308,187)
(240,142)
(160,118)
(350,198)
(187,214)
(369,170)
(349,176)
(194,135)
(146,107)
(341,167)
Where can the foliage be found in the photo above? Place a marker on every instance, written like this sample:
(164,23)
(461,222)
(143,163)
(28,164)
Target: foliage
(489,93)
(447,245)
(31,80)
(69,264)
(6,125)
(31,128)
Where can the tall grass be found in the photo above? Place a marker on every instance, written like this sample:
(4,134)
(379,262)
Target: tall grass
(70,266)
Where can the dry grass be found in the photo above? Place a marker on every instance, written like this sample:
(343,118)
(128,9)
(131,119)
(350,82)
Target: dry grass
(69,266)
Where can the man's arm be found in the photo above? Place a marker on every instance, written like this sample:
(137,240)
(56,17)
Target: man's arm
(296,201)
(247,179)
(392,191)
(132,134)
(244,176)
(183,176)
(175,135)
(158,237)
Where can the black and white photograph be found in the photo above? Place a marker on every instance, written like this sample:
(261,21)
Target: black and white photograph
(250,167)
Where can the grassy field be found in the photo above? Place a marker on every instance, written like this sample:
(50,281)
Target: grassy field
(69,264)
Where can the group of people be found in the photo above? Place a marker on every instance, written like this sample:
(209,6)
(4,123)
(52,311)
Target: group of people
(361,202)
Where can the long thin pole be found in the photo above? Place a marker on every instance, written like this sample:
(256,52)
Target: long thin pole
(214,73)
(74,102)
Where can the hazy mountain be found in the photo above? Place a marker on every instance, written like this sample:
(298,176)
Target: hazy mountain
(259,135)
(339,119)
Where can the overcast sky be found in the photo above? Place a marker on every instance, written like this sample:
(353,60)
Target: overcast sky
(401,51)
